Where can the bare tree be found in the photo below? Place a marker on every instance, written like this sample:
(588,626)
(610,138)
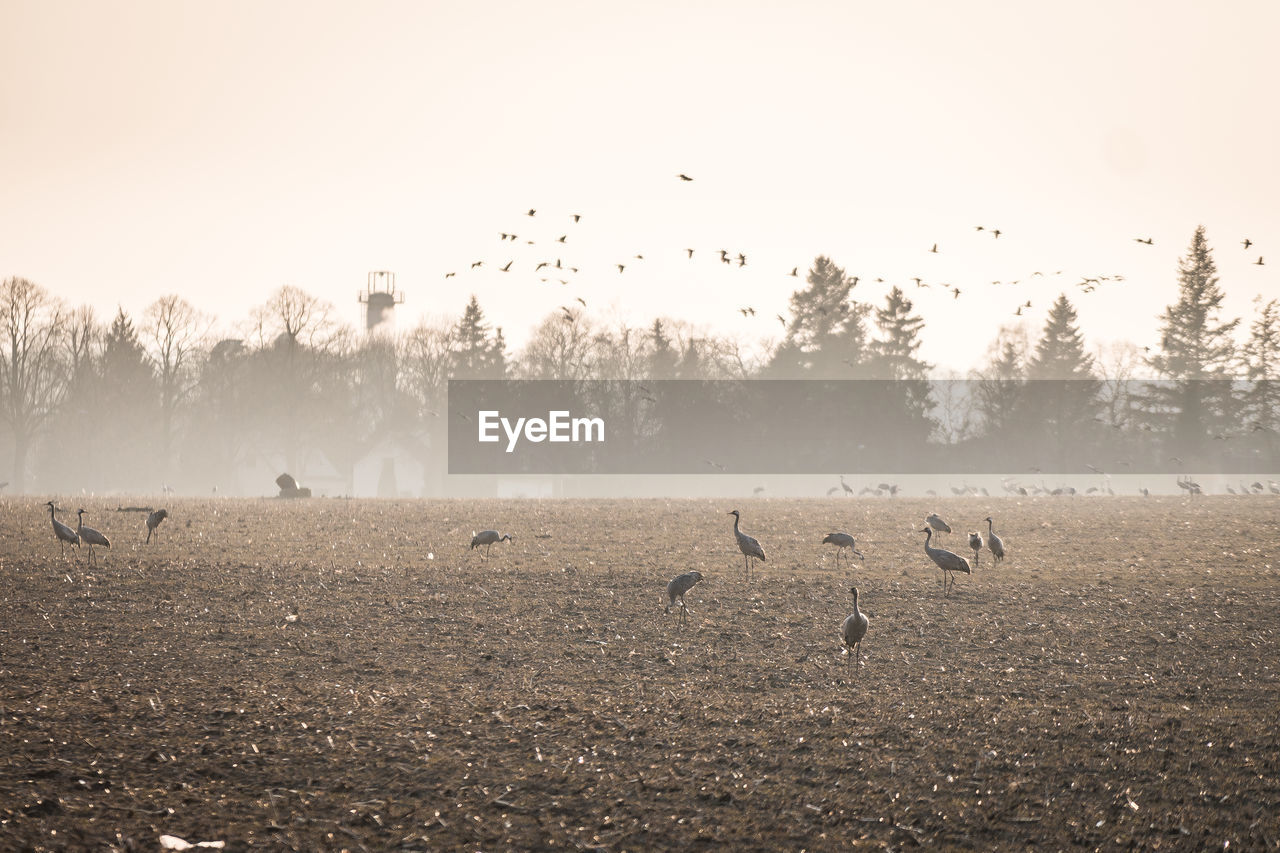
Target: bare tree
(561,347)
(174,332)
(31,369)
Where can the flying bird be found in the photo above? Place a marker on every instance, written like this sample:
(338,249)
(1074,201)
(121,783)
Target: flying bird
(507,268)
(795,272)
(690,251)
(531,212)
(682,176)
(934,250)
(576,216)
(1246,243)
(1148,241)
(1258,262)
(621,267)
(996,233)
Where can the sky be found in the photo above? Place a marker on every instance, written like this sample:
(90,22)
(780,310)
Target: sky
(222,150)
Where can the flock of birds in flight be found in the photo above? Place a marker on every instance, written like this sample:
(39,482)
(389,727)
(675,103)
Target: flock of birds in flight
(556,268)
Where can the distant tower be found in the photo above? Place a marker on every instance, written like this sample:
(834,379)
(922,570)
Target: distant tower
(380,300)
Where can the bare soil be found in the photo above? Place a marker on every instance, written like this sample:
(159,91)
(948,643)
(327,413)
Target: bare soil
(323,674)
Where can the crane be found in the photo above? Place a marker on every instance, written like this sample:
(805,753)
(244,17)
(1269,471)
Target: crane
(750,548)
(854,629)
(935,521)
(487,538)
(842,541)
(64,533)
(975,543)
(946,560)
(153,521)
(678,586)
(994,542)
(90,536)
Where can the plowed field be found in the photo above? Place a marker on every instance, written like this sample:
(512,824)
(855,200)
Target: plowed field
(328,674)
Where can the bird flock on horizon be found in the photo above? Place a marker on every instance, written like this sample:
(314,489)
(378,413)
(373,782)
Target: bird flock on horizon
(557,265)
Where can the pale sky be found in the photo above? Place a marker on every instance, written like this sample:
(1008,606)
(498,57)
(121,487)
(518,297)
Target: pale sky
(221,150)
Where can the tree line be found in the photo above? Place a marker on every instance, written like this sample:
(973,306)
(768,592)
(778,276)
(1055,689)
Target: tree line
(135,404)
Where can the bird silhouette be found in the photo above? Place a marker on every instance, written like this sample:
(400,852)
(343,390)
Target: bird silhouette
(956,291)
(781,320)
(934,250)
(795,272)
(1258,262)
(1246,242)
(477,264)
(562,238)
(576,216)
(1148,241)
(682,176)
(507,268)
(622,267)
(996,233)
(450,274)
(531,212)
(690,251)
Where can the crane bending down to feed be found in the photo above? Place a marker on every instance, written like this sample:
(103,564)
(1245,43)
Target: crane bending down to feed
(975,543)
(750,548)
(91,537)
(153,521)
(946,560)
(854,629)
(677,588)
(994,542)
(65,534)
(487,538)
(842,541)
(935,521)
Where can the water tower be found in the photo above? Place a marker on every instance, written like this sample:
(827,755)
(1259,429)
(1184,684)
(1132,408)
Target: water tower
(380,299)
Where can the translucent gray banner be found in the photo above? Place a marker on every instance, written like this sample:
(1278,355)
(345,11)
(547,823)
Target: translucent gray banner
(860,426)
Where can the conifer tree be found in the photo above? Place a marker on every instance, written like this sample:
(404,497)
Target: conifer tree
(1261,357)
(476,353)
(827,336)
(1195,357)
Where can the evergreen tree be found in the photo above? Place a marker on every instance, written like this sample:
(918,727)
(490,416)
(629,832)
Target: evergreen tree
(1000,384)
(827,337)
(1261,357)
(128,411)
(476,353)
(894,354)
(1060,402)
(663,357)
(899,414)
(1195,357)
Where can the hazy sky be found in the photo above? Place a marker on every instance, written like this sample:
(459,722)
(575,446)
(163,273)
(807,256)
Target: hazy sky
(220,150)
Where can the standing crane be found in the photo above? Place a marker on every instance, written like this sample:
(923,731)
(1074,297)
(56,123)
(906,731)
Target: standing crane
(677,588)
(750,548)
(153,521)
(946,560)
(854,629)
(65,534)
(842,541)
(487,538)
(994,542)
(90,536)
(975,543)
